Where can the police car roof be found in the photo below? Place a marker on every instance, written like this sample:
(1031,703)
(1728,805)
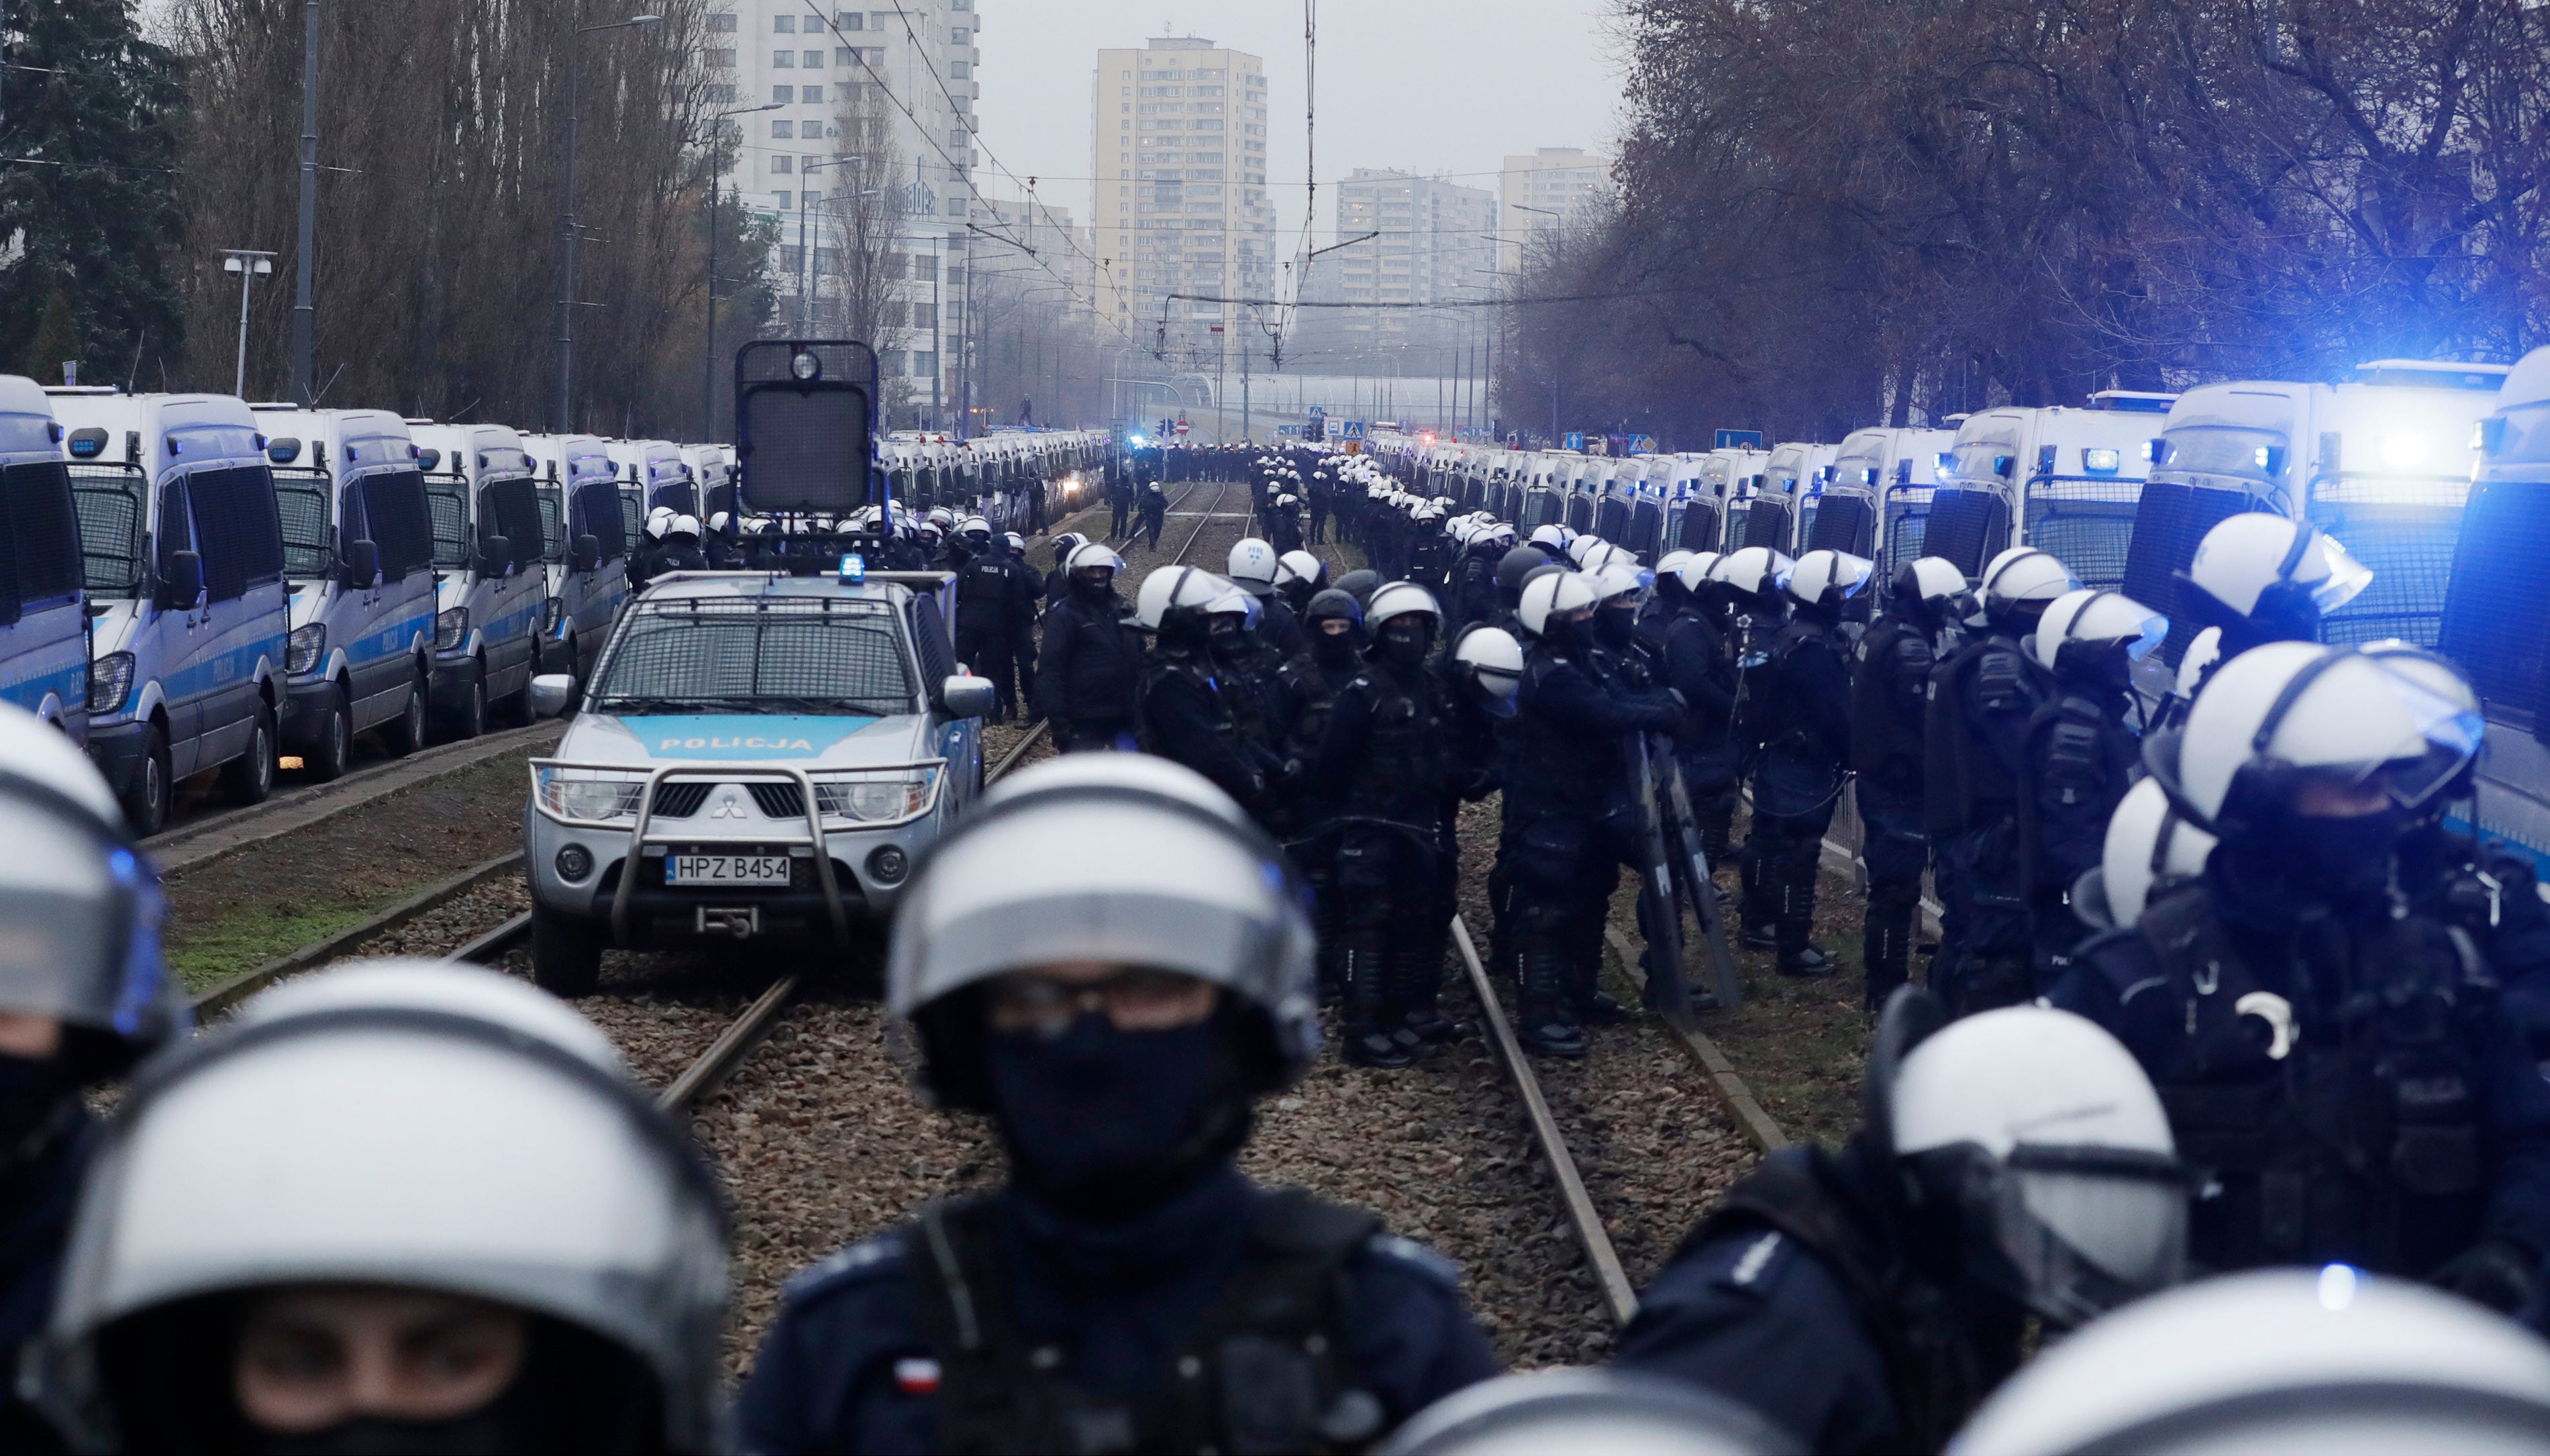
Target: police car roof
(880,586)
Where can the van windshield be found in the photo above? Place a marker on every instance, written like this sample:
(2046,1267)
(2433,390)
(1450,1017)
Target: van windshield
(717,655)
(109,499)
(2224,450)
(301,498)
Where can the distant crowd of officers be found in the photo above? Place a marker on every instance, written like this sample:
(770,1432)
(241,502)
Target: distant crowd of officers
(2231,1029)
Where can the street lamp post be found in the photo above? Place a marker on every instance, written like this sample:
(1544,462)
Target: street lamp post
(305,315)
(708,346)
(563,407)
(250,264)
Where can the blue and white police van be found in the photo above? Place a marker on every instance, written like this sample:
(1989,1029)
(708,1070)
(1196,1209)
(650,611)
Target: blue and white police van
(661,475)
(490,557)
(359,567)
(181,548)
(586,518)
(757,754)
(43,616)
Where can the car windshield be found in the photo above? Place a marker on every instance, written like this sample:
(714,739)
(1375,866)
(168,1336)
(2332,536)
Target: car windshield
(749,657)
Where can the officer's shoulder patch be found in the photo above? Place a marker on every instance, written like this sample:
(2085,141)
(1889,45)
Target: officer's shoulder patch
(1753,1261)
(1408,1253)
(869,1260)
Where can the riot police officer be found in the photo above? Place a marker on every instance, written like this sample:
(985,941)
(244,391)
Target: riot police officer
(987,593)
(1386,764)
(2259,578)
(2352,1076)
(2013,1163)
(1687,639)
(425,1208)
(1299,577)
(1249,674)
(1058,582)
(1975,728)
(1257,568)
(1088,665)
(1568,817)
(1120,485)
(1110,961)
(1183,712)
(1153,504)
(2081,754)
(1889,683)
(83,995)
(1800,694)
(1332,656)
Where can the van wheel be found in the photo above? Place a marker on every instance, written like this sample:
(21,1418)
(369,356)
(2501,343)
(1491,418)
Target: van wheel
(328,759)
(566,953)
(146,803)
(516,711)
(249,778)
(469,721)
(406,733)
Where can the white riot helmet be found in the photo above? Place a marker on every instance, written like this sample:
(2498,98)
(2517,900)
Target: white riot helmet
(2039,1134)
(1671,564)
(2282,574)
(1116,857)
(1754,571)
(2286,711)
(1607,1411)
(1551,539)
(659,520)
(2204,655)
(943,518)
(1016,541)
(1553,594)
(81,907)
(1091,554)
(2150,846)
(2018,581)
(1399,599)
(975,528)
(1621,576)
(1578,548)
(684,526)
(1304,567)
(2089,624)
(1176,589)
(408,1125)
(2280,1360)
(1491,661)
(1701,567)
(1933,588)
(1826,578)
(1252,565)
(1376,491)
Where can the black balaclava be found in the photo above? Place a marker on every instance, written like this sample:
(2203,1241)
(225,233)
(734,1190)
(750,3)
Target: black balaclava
(1616,622)
(1106,1125)
(1403,640)
(1094,586)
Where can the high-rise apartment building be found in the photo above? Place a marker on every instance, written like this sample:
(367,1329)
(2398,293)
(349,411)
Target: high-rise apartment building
(1423,240)
(1542,189)
(1178,149)
(902,80)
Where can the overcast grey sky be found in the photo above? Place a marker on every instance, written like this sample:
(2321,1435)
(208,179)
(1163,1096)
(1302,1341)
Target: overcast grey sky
(1428,85)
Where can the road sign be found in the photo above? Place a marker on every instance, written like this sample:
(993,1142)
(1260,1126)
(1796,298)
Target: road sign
(1319,410)
(1644,445)
(1288,430)
(1182,429)
(1350,430)
(1739,439)
(1575,440)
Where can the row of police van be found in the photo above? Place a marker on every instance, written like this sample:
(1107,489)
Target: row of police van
(194,585)
(2436,475)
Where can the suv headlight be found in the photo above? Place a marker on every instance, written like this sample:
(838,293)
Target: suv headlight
(588,794)
(451,627)
(110,682)
(303,650)
(876,797)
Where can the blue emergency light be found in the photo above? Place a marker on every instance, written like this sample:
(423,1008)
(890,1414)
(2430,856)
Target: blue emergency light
(855,569)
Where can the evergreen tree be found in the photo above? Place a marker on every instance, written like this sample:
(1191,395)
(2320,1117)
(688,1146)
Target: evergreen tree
(89,119)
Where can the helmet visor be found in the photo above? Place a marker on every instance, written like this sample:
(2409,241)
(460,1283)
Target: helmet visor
(78,938)
(2070,1231)
(2346,576)
(2449,737)
(2153,632)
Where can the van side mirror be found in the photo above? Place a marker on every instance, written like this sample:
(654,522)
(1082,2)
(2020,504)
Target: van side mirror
(966,696)
(495,556)
(184,590)
(363,563)
(588,552)
(552,692)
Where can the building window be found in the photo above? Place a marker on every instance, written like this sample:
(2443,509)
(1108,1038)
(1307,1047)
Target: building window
(722,93)
(781,167)
(783,25)
(846,56)
(958,71)
(814,61)
(782,196)
(722,24)
(880,20)
(781,94)
(924,363)
(810,196)
(782,132)
(891,359)
(720,61)
(850,20)
(783,61)
(961,36)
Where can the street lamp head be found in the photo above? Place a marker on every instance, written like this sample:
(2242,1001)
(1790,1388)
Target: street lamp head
(644,20)
(231,265)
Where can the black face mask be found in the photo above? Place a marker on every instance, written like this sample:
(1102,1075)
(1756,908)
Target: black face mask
(1105,1123)
(1404,647)
(1572,636)
(1335,650)
(1616,627)
(1093,589)
(489,1431)
(2344,861)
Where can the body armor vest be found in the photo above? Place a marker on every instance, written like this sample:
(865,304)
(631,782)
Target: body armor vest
(1965,787)
(1938,1372)
(1787,722)
(1314,690)
(2343,1124)
(1164,666)
(1405,761)
(1889,686)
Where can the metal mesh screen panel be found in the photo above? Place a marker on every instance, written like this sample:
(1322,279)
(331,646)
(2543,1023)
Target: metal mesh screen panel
(1612,521)
(748,651)
(2497,612)
(1907,520)
(552,530)
(2169,520)
(1843,524)
(930,638)
(2407,536)
(1699,528)
(1647,529)
(447,504)
(43,537)
(301,504)
(1769,526)
(1580,514)
(1966,527)
(2086,524)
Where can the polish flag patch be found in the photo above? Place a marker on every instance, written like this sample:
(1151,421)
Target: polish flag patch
(917,1377)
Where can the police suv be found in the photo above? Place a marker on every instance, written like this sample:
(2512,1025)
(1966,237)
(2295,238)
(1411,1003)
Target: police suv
(758,753)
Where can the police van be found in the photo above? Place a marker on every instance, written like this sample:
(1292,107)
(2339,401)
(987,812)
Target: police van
(43,616)
(490,552)
(2066,479)
(588,533)
(359,568)
(757,753)
(661,475)
(181,548)
(1865,504)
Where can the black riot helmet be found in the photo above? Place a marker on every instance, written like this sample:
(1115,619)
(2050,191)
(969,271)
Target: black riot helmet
(1360,584)
(1516,565)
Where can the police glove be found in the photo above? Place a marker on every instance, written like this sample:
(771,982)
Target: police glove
(2497,1272)
(1680,703)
